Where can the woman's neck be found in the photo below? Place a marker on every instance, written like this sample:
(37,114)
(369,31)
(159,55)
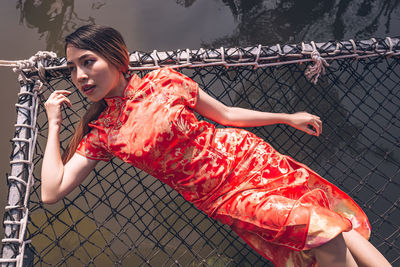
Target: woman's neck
(120,87)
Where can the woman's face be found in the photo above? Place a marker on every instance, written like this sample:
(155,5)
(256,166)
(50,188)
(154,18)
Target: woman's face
(93,75)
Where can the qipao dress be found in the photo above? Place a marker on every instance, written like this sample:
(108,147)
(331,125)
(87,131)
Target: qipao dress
(280,207)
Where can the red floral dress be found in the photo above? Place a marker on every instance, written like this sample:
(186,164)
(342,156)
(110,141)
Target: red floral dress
(280,207)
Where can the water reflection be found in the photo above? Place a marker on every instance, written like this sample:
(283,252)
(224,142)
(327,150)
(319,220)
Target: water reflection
(54,19)
(185,3)
(372,12)
(257,21)
(271,22)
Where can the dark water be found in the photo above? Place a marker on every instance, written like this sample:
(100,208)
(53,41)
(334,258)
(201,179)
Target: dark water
(33,25)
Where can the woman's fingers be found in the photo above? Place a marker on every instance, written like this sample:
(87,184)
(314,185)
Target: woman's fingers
(59,93)
(53,106)
(309,129)
(59,97)
(320,125)
(66,101)
(311,124)
(62,92)
(316,124)
(54,103)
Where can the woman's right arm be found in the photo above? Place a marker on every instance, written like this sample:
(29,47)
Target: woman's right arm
(59,179)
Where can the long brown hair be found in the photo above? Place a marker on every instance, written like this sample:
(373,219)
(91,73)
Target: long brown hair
(108,43)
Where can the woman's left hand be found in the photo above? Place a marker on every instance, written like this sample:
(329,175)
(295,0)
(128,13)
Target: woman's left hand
(306,122)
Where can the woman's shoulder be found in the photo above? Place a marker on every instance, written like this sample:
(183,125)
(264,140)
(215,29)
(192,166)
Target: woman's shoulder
(165,73)
(136,83)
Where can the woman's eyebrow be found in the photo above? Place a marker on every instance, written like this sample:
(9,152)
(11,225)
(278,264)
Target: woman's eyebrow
(79,59)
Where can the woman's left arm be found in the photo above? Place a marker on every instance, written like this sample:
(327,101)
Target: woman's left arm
(214,110)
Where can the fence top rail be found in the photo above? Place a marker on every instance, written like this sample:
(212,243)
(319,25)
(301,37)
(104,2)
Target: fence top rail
(256,56)
(259,55)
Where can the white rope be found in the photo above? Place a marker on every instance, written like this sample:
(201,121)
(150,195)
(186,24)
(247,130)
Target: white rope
(279,50)
(21,222)
(257,56)
(389,40)
(154,57)
(272,56)
(34,63)
(153,60)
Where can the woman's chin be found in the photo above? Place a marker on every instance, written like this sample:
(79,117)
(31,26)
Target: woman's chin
(94,99)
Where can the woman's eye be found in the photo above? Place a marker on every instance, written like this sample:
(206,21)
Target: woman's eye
(71,68)
(88,62)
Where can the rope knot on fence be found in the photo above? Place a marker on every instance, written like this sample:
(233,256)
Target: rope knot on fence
(313,71)
(35,64)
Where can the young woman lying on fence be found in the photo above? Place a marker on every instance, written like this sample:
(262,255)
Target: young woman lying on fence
(280,207)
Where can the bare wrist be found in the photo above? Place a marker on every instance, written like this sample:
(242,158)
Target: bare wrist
(287,118)
(54,126)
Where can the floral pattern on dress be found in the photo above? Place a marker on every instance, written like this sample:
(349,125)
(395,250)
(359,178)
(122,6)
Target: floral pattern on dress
(278,206)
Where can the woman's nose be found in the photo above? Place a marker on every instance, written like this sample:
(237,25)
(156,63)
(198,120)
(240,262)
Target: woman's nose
(81,75)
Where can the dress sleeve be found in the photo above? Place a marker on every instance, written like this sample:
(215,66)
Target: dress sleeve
(190,87)
(91,147)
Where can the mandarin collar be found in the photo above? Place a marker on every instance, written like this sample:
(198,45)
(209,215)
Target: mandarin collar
(128,92)
(114,101)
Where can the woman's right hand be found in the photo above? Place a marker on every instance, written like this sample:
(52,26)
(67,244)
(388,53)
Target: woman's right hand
(53,106)
(306,122)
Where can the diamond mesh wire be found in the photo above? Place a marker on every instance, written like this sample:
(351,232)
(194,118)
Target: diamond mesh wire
(122,216)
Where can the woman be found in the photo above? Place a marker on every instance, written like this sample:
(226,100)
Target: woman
(284,210)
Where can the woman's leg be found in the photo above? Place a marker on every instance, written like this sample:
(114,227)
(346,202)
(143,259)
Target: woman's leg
(334,254)
(365,254)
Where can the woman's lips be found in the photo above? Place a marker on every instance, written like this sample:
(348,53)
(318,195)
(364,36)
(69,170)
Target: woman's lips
(88,89)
